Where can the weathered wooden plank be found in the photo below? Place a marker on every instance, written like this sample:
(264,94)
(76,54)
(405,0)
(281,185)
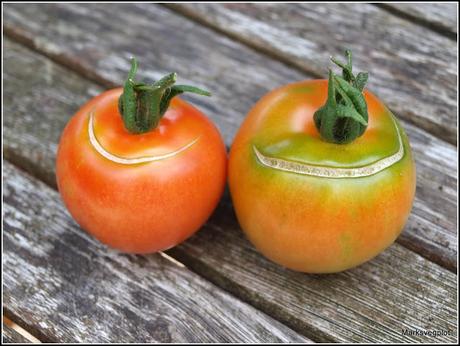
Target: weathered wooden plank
(441,17)
(62,282)
(411,67)
(371,303)
(10,335)
(432,234)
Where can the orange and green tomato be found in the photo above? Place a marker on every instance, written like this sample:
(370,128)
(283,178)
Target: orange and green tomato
(315,206)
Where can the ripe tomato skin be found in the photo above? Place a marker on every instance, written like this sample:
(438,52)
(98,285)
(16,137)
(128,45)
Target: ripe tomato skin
(309,223)
(145,207)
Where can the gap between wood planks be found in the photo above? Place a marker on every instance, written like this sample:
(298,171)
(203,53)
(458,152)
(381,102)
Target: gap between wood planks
(20,330)
(75,66)
(440,29)
(184,12)
(62,60)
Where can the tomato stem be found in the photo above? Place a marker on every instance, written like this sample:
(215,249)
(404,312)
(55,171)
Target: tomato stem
(343,117)
(143,105)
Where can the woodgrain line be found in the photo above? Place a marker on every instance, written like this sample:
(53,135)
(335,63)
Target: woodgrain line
(441,18)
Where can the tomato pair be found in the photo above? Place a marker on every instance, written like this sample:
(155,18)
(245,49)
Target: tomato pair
(320,173)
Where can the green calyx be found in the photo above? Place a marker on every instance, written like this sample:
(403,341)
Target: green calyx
(343,118)
(143,105)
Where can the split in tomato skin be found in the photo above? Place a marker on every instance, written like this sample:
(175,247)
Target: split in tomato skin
(142,207)
(310,223)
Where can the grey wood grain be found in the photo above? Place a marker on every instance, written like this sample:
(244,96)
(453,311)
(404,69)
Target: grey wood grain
(9,336)
(398,290)
(235,74)
(62,282)
(411,67)
(438,16)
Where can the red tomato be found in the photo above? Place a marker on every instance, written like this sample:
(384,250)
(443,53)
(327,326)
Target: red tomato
(140,193)
(313,205)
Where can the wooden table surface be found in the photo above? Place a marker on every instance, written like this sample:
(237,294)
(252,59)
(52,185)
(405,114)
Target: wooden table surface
(61,285)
